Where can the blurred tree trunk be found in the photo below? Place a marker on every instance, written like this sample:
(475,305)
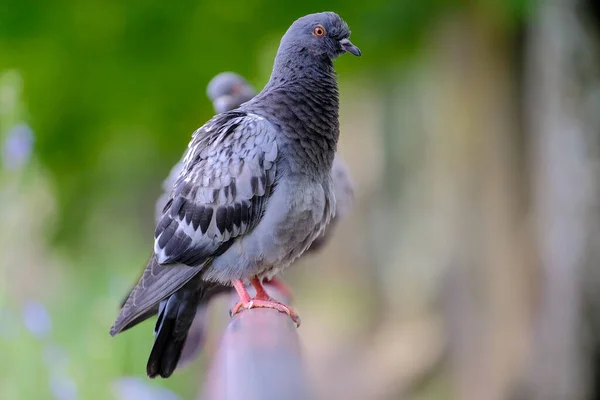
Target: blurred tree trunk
(478,203)
(562,115)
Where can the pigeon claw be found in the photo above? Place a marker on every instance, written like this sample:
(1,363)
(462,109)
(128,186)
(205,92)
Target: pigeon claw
(270,303)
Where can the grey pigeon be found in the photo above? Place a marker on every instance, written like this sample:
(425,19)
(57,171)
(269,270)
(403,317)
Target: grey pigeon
(227,91)
(255,191)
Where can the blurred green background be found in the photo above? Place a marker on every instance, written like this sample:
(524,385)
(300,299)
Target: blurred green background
(466,269)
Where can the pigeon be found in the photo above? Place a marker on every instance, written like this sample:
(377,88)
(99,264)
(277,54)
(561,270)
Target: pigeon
(227,91)
(254,192)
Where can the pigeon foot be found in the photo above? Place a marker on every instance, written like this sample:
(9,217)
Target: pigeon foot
(271,303)
(261,300)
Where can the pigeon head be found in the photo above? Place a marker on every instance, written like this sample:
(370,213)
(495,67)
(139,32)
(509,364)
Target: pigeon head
(228,90)
(324,35)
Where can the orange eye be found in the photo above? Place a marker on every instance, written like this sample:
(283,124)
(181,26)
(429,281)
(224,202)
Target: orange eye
(319,31)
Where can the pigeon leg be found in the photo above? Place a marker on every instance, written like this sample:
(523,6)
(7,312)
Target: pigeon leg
(240,288)
(261,300)
(281,286)
(261,292)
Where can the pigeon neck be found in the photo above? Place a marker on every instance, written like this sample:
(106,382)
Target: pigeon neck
(302,95)
(291,66)
(304,80)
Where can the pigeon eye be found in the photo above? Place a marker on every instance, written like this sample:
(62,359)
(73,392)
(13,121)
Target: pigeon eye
(319,31)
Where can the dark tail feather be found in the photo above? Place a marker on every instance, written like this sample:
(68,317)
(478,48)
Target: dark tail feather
(196,337)
(176,315)
(181,327)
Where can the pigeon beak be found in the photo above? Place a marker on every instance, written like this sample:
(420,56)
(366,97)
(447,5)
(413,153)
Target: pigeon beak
(349,47)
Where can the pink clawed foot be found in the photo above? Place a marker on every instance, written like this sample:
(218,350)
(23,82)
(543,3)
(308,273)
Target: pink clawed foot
(261,300)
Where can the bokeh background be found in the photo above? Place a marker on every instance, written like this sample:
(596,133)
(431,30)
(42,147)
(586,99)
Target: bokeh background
(467,268)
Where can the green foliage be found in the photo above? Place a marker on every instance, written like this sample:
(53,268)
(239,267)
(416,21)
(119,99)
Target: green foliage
(116,88)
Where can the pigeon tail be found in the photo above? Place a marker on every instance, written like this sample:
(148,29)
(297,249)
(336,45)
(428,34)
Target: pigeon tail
(181,326)
(196,335)
(175,318)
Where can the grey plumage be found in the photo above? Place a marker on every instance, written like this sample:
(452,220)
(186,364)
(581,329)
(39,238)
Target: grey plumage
(221,87)
(254,192)
(344,197)
(227,91)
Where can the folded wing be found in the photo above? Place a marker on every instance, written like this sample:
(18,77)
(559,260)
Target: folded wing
(228,174)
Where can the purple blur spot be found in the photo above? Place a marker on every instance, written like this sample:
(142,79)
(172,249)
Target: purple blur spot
(17,147)
(37,319)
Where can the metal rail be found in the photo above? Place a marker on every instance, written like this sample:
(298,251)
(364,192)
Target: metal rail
(259,358)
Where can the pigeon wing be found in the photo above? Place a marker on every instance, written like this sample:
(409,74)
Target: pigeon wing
(227,177)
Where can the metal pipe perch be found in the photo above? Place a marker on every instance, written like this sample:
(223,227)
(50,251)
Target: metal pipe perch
(259,358)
